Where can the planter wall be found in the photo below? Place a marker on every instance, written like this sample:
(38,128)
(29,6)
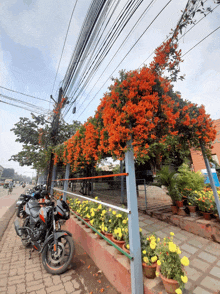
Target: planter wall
(209,229)
(116,267)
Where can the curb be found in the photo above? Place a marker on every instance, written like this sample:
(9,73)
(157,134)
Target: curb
(4,221)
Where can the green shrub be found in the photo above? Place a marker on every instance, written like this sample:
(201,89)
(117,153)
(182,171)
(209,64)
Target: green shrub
(187,180)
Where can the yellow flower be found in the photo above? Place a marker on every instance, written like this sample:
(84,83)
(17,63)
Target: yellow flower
(152,245)
(178,291)
(154,258)
(145,259)
(114,212)
(96,198)
(140,229)
(144,252)
(124,221)
(157,274)
(158,239)
(172,247)
(128,247)
(184,279)
(171,234)
(110,209)
(110,221)
(185,261)
(178,251)
(100,206)
(159,262)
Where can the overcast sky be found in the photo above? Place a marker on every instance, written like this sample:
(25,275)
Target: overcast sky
(31,40)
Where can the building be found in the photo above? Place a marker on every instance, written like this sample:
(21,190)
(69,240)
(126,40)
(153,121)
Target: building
(1,171)
(197,158)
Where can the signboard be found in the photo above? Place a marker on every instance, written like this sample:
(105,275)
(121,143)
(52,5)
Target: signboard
(214,174)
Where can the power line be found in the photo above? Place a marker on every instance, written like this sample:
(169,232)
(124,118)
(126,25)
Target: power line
(64,44)
(127,54)
(86,82)
(23,94)
(26,103)
(20,107)
(182,35)
(201,41)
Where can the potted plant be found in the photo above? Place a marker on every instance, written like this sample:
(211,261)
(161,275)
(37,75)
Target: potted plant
(205,203)
(192,201)
(167,179)
(149,256)
(170,267)
(117,237)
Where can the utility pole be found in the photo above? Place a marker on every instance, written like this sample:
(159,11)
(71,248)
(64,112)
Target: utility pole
(53,137)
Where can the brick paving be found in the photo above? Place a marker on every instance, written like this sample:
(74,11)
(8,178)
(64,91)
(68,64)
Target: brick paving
(19,274)
(204,269)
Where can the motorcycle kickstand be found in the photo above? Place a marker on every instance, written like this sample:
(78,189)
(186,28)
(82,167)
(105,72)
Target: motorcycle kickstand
(30,251)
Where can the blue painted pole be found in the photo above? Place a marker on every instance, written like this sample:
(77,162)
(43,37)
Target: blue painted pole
(53,179)
(212,183)
(65,186)
(133,224)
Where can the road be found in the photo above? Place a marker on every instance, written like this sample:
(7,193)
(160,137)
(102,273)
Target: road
(7,200)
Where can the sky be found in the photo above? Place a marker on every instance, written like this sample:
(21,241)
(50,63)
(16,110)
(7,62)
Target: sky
(32,35)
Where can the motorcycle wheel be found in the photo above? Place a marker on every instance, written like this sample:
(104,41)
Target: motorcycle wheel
(24,241)
(57,263)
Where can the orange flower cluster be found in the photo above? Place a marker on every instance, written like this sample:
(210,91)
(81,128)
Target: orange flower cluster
(59,106)
(140,105)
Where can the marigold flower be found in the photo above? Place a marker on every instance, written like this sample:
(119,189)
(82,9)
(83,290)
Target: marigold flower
(144,252)
(157,274)
(128,246)
(152,245)
(178,291)
(145,259)
(154,258)
(172,247)
(184,279)
(185,261)
(159,262)
(171,234)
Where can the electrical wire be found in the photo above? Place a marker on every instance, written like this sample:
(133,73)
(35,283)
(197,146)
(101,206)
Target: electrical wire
(23,94)
(34,111)
(64,44)
(127,54)
(118,27)
(144,12)
(182,35)
(26,103)
(201,41)
(103,52)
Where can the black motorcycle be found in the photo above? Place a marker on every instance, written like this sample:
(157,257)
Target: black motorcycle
(34,194)
(42,229)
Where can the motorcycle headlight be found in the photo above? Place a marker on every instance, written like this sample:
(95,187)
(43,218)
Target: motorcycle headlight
(18,203)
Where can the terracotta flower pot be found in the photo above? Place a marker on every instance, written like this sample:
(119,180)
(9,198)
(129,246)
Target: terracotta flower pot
(117,242)
(91,229)
(109,236)
(149,271)
(192,209)
(99,237)
(169,284)
(179,203)
(86,220)
(125,249)
(207,215)
(174,209)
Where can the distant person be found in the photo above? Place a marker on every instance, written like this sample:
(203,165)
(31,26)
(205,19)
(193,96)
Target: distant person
(10,187)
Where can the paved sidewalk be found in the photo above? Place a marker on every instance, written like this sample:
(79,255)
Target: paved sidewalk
(204,269)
